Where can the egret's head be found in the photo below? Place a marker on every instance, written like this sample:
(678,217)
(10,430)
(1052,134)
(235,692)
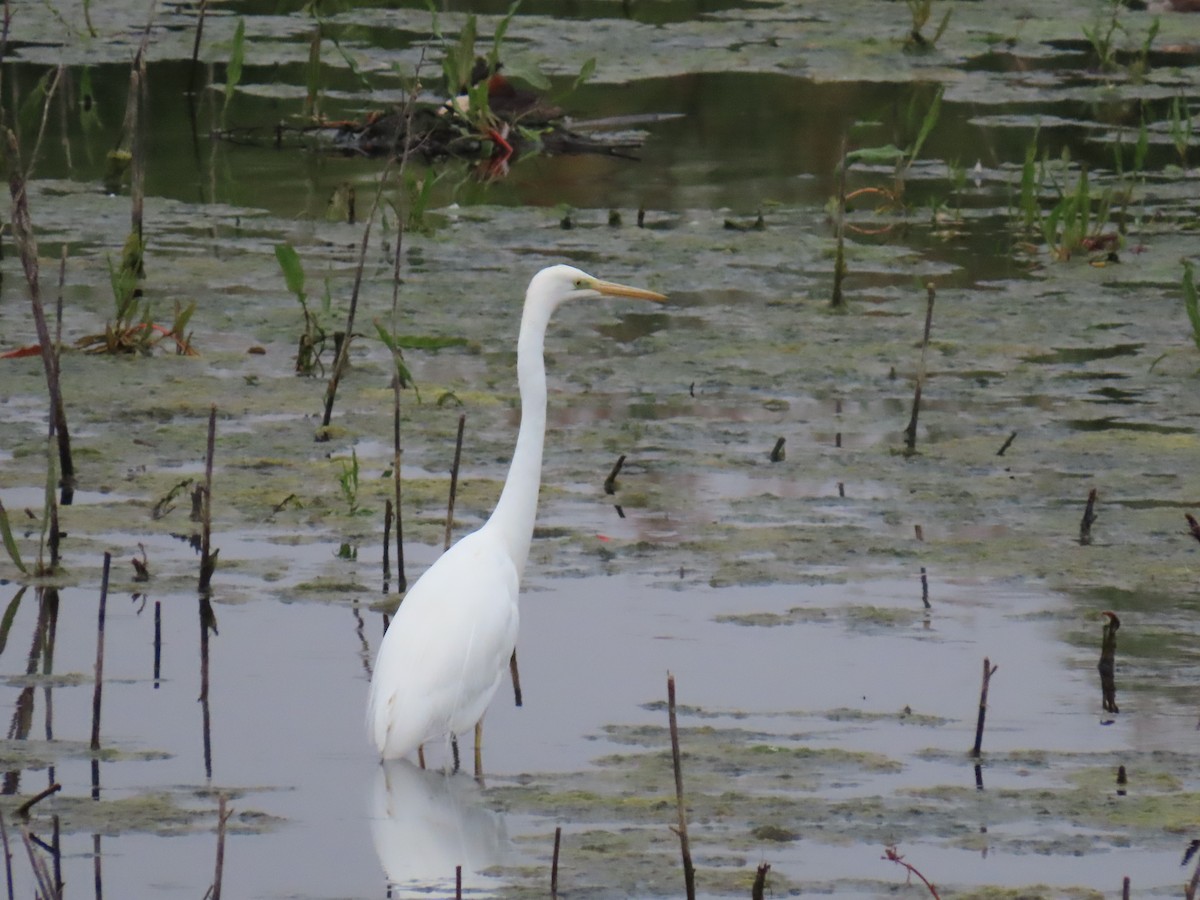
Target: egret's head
(558,284)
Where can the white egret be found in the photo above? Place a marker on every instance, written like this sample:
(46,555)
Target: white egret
(451,640)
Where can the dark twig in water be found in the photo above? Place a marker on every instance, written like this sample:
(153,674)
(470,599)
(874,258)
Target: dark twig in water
(554,863)
(1193,525)
(910,433)
(462,421)
(1125,888)
(458,883)
(1108,662)
(388,514)
(689,871)
(892,855)
(837,301)
(1007,443)
(22,811)
(4,829)
(21,226)
(925,589)
(988,671)
(777,454)
(401,578)
(758,891)
(610,483)
(222,817)
(1189,890)
(195,67)
(1089,518)
(208,556)
(98,688)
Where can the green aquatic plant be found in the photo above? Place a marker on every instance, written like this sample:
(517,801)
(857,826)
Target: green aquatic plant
(1180,127)
(921,11)
(233,70)
(312,339)
(348,482)
(1190,302)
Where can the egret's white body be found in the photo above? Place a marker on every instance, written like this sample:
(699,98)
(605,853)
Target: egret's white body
(451,640)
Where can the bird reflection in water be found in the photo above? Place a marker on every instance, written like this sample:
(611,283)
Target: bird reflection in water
(425,823)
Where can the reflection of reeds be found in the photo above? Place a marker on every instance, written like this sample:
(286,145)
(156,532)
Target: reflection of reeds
(97,690)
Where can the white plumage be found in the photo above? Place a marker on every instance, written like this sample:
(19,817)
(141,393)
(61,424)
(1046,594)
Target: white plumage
(450,642)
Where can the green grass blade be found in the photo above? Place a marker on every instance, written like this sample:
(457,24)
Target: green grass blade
(10,543)
(1190,301)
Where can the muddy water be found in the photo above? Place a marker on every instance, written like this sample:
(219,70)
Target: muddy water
(827,710)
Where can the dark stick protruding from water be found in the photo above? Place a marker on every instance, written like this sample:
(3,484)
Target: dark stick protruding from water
(988,671)
(23,809)
(777,454)
(1089,518)
(689,871)
(1193,525)
(21,226)
(759,890)
(554,863)
(458,883)
(462,421)
(222,817)
(610,483)
(97,690)
(837,301)
(401,578)
(7,855)
(925,589)
(1007,443)
(208,557)
(1125,888)
(1108,662)
(388,514)
(910,433)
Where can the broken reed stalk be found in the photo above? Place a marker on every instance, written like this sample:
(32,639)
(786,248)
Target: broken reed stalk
(22,811)
(4,834)
(988,671)
(777,452)
(22,230)
(222,817)
(1125,888)
(925,589)
(1007,443)
(401,578)
(196,47)
(759,890)
(96,692)
(462,421)
(891,854)
(137,186)
(208,557)
(910,433)
(554,863)
(1089,518)
(689,871)
(837,301)
(458,883)
(1108,662)
(1193,525)
(1189,890)
(388,514)
(610,483)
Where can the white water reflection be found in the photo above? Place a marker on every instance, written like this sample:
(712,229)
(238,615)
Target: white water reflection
(425,823)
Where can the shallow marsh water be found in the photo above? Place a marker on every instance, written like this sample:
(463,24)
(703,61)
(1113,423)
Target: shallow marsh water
(827,713)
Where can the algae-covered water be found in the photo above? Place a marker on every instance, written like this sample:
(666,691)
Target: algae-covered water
(825,611)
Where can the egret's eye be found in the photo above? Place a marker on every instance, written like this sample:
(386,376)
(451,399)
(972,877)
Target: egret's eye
(580,284)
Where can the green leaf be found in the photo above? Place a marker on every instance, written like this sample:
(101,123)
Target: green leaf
(1190,301)
(927,124)
(10,543)
(293,272)
(233,72)
(9,614)
(586,71)
(528,72)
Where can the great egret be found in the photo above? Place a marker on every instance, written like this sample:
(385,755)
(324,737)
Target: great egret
(451,640)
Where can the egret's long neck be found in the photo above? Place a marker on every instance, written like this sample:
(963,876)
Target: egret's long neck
(517,508)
